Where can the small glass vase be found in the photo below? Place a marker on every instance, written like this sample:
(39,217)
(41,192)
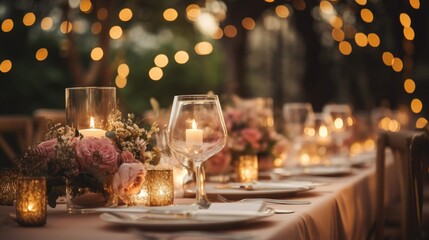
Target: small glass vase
(247,168)
(31,201)
(83,192)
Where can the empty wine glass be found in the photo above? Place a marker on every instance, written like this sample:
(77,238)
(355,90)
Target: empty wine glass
(296,116)
(342,119)
(197,130)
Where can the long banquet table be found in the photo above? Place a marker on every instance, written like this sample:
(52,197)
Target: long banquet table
(344,208)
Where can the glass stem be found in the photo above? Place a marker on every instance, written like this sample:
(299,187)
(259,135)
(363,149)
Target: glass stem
(200,192)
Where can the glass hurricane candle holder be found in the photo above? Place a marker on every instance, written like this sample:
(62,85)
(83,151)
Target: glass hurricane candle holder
(31,201)
(247,168)
(160,186)
(88,109)
(8,186)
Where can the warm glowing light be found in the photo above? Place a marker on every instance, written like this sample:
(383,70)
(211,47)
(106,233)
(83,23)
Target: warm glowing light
(161,60)
(5,66)
(416,105)
(421,122)
(387,58)
(373,40)
(282,11)
(336,22)
(181,57)
(85,6)
(269,1)
(369,144)
(193,11)
(323,131)
(46,23)
(366,15)
(338,34)
(384,123)
(102,14)
(218,34)
(203,48)
(66,27)
(361,39)
(230,31)
(125,14)
(97,53)
(29,19)
(409,33)
(170,14)
(115,32)
(123,70)
(345,48)
(96,28)
(41,54)
(415,4)
(397,64)
(7,25)
(394,126)
(338,123)
(405,20)
(326,7)
(361,2)
(155,73)
(248,23)
(409,85)
(120,81)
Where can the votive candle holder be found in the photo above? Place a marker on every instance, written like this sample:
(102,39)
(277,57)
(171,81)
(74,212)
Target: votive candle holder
(8,186)
(31,201)
(247,168)
(160,186)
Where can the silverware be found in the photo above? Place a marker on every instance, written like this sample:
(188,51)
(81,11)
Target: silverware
(221,198)
(266,200)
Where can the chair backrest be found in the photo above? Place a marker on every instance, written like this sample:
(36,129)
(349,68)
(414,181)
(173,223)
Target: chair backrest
(399,143)
(21,127)
(418,168)
(41,118)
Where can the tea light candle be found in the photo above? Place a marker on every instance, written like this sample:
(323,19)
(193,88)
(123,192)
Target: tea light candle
(31,201)
(160,186)
(8,186)
(140,199)
(194,136)
(92,131)
(247,168)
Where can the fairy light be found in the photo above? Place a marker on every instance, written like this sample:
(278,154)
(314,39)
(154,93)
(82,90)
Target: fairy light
(41,54)
(387,58)
(405,20)
(326,7)
(115,32)
(421,122)
(230,31)
(120,81)
(409,85)
(409,33)
(361,2)
(155,73)
(46,23)
(282,11)
(366,15)
(125,14)
(170,14)
(248,23)
(203,48)
(397,64)
(415,4)
(373,40)
(193,11)
(5,66)
(336,22)
(66,27)
(85,6)
(161,60)
(123,70)
(7,25)
(361,39)
(345,48)
(218,34)
(416,105)
(97,54)
(338,34)
(29,19)
(181,57)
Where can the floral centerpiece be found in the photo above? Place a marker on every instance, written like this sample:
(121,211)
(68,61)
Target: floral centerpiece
(248,135)
(96,169)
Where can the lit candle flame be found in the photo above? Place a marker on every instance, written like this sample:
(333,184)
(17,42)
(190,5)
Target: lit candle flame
(194,124)
(91,123)
(30,207)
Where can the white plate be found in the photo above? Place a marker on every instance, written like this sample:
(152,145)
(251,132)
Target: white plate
(191,222)
(258,192)
(336,170)
(363,159)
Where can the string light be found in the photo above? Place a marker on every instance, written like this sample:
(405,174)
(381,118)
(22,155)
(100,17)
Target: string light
(29,19)
(125,14)
(97,54)
(161,60)
(41,54)
(181,57)
(5,66)
(7,25)
(155,73)
(170,14)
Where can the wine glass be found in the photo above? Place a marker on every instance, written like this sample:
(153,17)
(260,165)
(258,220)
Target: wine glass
(342,119)
(296,115)
(197,130)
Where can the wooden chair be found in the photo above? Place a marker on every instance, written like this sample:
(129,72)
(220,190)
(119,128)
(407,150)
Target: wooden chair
(418,170)
(399,143)
(42,116)
(15,128)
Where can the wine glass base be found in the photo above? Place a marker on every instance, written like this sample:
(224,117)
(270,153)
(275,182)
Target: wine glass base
(203,203)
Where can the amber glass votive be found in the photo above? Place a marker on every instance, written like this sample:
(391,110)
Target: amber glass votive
(160,186)
(247,168)
(8,185)
(31,201)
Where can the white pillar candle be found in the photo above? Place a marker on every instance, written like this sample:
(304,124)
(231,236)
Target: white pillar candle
(93,132)
(194,136)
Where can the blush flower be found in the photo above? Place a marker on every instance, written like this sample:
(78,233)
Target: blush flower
(100,153)
(128,180)
(48,147)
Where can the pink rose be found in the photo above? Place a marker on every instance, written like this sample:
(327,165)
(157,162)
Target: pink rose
(48,147)
(218,163)
(252,136)
(94,152)
(128,180)
(128,157)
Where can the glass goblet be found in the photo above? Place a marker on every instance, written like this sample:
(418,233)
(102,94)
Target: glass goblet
(197,130)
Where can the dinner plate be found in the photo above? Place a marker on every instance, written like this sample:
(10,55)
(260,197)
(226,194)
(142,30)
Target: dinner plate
(235,192)
(335,170)
(363,159)
(192,222)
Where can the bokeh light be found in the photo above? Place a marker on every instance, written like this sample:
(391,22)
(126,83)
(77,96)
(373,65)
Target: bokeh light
(41,54)
(155,73)
(161,60)
(181,57)
(97,54)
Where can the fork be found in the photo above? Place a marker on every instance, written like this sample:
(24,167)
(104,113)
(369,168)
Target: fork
(266,200)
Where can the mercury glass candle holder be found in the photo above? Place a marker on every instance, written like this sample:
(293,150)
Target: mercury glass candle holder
(247,168)
(31,201)
(160,185)
(88,109)
(8,186)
